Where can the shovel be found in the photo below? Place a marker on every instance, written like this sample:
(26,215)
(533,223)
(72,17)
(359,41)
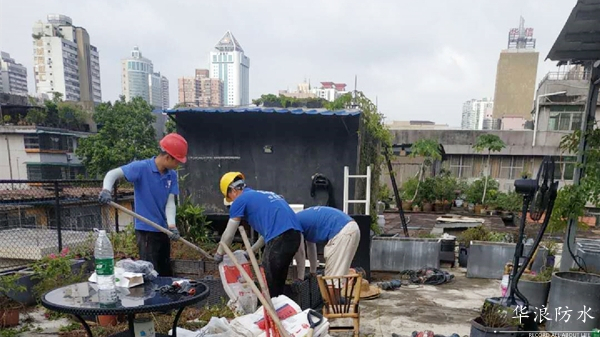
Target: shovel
(158,227)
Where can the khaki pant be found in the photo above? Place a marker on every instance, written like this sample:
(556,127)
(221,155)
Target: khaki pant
(340,250)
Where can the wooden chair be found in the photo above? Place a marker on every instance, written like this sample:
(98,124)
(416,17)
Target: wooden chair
(349,293)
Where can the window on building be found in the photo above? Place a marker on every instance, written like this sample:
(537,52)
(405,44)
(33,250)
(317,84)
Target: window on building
(45,171)
(16,219)
(565,168)
(565,118)
(31,142)
(511,167)
(461,166)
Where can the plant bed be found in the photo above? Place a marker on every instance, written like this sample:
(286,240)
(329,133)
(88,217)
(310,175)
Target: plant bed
(579,292)
(9,309)
(493,320)
(395,254)
(488,259)
(306,293)
(536,287)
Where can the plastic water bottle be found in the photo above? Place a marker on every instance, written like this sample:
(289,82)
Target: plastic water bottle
(105,262)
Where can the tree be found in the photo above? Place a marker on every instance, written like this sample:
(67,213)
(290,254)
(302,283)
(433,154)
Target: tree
(125,133)
(489,142)
(572,199)
(430,150)
(58,113)
(282,101)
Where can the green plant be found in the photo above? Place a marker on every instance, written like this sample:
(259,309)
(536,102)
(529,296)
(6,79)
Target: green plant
(430,150)
(495,315)
(478,233)
(6,118)
(445,187)
(569,204)
(124,243)
(192,222)
(385,195)
(427,191)
(512,201)
(8,284)
(479,187)
(489,142)
(409,189)
(552,247)
(54,271)
(545,275)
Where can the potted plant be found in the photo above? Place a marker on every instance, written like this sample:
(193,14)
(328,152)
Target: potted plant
(9,309)
(429,149)
(536,287)
(494,318)
(409,197)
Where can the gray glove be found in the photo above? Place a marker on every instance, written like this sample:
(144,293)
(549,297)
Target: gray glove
(175,234)
(105,197)
(218,258)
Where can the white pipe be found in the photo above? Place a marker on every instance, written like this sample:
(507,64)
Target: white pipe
(537,113)
(346,173)
(368,192)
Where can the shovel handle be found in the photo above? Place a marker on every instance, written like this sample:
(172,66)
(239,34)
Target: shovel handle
(158,227)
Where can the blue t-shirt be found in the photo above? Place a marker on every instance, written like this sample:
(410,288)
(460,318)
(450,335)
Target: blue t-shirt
(266,212)
(151,191)
(320,224)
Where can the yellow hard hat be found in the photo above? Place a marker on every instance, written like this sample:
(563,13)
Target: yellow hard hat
(226,180)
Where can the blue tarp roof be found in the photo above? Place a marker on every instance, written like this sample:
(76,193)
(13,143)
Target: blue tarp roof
(296,111)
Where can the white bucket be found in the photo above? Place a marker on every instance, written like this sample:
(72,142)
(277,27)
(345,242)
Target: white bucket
(144,327)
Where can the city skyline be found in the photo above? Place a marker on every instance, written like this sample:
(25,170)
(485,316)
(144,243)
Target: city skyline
(401,70)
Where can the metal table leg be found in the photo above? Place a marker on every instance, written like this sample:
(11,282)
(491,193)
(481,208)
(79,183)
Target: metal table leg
(176,321)
(85,325)
(130,320)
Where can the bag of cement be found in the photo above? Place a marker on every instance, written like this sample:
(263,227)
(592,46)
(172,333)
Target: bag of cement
(216,327)
(241,298)
(143,267)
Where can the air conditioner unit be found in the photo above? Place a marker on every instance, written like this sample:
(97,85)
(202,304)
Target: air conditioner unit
(69,157)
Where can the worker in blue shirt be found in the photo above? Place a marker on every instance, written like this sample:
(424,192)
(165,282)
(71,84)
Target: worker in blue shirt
(322,224)
(155,187)
(272,217)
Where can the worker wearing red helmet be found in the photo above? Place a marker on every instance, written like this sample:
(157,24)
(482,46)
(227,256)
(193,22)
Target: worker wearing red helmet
(155,187)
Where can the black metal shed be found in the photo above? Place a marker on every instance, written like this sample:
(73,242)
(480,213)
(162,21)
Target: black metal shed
(277,149)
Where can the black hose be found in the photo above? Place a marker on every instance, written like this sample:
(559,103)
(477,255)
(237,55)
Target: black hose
(571,251)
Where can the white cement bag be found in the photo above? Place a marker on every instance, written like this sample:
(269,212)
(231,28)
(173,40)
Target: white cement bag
(241,298)
(252,325)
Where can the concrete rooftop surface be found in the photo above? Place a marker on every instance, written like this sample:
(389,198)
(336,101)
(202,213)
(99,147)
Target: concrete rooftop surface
(444,309)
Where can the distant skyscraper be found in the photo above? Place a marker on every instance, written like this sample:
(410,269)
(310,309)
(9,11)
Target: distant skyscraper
(165,92)
(138,79)
(13,76)
(65,61)
(200,91)
(516,75)
(474,113)
(229,64)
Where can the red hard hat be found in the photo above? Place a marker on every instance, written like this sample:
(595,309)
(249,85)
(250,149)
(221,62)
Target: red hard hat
(176,146)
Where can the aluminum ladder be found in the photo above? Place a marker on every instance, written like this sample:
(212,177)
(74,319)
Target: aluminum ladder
(367,200)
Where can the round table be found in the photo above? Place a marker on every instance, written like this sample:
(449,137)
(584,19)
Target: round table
(84,299)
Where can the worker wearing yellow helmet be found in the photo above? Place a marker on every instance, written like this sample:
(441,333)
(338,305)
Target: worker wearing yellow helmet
(272,217)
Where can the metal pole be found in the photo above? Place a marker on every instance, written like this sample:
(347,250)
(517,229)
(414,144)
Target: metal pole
(566,261)
(57,215)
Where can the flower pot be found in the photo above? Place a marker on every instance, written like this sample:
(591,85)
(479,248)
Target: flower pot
(550,261)
(407,205)
(535,292)
(107,320)
(574,290)
(427,207)
(9,318)
(447,206)
(477,209)
(478,329)
(438,207)
(416,208)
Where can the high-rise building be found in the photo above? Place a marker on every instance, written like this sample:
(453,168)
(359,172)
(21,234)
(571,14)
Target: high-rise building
(138,79)
(229,64)
(164,82)
(475,112)
(200,91)
(65,61)
(13,76)
(516,75)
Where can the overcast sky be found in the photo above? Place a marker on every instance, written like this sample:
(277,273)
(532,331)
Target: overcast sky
(421,59)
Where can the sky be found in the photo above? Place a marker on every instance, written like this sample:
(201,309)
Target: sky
(419,60)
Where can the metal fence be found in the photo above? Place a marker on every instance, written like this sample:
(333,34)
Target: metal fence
(39,218)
